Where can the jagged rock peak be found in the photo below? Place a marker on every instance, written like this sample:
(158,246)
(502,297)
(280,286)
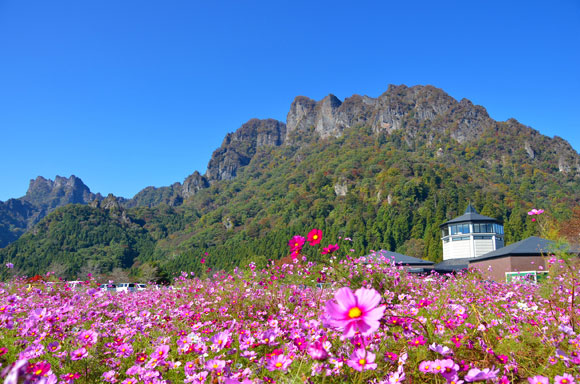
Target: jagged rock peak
(51,194)
(329,117)
(193,184)
(239,147)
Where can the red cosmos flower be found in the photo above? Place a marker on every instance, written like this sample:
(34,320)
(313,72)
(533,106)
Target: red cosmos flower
(314,236)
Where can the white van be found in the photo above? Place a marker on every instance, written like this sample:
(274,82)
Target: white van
(127,287)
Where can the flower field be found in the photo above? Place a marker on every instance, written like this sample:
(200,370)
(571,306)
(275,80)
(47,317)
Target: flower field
(364,323)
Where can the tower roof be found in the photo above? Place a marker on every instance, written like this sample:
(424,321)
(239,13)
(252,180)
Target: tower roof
(532,246)
(471,215)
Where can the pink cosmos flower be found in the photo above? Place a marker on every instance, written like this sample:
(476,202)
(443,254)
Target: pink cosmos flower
(535,212)
(161,352)
(426,366)
(54,346)
(79,354)
(475,374)
(362,360)
(278,363)
(314,236)
(124,350)
(564,379)
(88,337)
(215,365)
(538,380)
(219,340)
(189,368)
(316,351)
(355,312)
(396,377)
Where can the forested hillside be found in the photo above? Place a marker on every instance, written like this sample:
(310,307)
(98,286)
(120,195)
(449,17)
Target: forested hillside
(384,172)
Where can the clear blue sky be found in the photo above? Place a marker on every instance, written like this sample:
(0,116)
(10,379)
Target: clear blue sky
(127,94)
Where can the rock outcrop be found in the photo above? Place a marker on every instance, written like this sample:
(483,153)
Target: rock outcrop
(400,107)
(239,147)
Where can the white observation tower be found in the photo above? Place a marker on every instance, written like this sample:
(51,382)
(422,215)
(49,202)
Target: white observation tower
(471,235)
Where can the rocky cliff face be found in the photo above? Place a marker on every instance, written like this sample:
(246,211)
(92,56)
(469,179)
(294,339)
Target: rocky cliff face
(400,107)
(239,147)
(48,194)
(193,184)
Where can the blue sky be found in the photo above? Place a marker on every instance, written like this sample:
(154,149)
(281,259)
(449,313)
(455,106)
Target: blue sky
(128,94)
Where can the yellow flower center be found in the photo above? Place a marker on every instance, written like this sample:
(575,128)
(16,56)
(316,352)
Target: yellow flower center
(278,365)
(362,361)
(354,312)
(38,372)
(315,237)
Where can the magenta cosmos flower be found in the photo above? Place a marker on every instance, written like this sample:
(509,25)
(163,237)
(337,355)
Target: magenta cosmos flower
(355,312)
(314,236)
(296,243)
(330,249)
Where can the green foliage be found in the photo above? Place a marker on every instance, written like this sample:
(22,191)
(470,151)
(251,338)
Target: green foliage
(399,190)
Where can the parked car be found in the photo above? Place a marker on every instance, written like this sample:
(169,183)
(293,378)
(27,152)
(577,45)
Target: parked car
(141,287)
(108,287)
(127,287)
(74,285)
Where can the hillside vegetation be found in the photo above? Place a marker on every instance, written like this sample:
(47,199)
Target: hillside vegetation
(386,188)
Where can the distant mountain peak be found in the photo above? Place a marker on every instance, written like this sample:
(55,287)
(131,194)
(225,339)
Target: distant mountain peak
(49,194)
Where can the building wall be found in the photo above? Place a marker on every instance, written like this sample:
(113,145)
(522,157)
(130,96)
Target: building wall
(483,246)
(457,249)
(527,263)
(495,269)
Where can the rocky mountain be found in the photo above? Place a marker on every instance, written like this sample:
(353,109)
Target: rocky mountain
(384,171)
(42,197)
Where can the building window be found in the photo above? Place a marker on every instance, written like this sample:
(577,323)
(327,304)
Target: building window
(483,228)
(482,237)
(459,238)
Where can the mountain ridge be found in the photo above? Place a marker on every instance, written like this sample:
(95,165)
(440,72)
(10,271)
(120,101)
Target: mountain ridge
(378,169)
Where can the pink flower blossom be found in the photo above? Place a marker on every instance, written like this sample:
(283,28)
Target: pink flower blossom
(538,380)
(564,379)
(355,312)
(79,354)
(362,360)
(278,363)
